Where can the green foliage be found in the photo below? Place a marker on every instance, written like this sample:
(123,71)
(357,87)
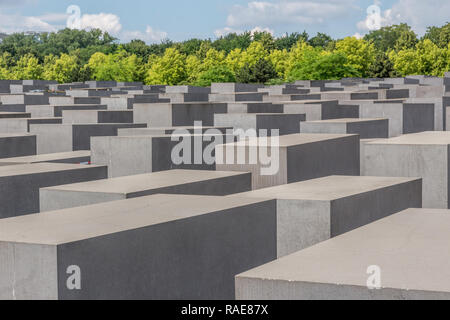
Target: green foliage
(119,66)
(64,69)
(440,36)
(383,67)
(260,72)
(220,73)
(322,66)
(321,40)
(27,68)
(360,54)
(169,69)
(392,37)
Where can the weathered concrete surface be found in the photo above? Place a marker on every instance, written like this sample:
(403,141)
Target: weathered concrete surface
(96,116)
(19,184)
(313,211)
(194,182)
(424,154)
(293,158)
(22,125)
(17,145)
(193,253)
(409,249)
(366,128)
(39,111)
(74,157)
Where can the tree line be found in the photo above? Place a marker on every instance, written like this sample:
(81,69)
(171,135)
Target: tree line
(80,55)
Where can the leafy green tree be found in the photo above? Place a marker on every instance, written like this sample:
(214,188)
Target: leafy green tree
(64,69)
(260,72)
(440,36)
(383,67)
(138,48)
(290,39)
(266,39)
(387,38)
(119,66)
(169,69)
(220,73)
(27,68)
(322,66)
(233,41)
(321,40)
(279,60)
(5,63)
(360,54)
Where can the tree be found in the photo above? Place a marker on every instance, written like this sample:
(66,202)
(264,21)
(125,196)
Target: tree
(265,38)
(440,36)
(260,72)
(383,67)
(360,54)
(321,40)
(279,60)
(27,68)
(289,40)
(5,64)
(387,38)
(219,73)
(322,66)
(64,69)
(233,41)
(169,69)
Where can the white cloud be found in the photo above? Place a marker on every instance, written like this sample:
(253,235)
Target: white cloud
(15,23)
(288,12)
(227,30)
(418,14)
(150,35)
(104,21)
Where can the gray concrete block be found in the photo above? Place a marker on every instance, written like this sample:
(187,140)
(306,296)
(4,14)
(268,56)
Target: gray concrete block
(13,108)
(20,184)
(52,138)
(156,247)
(17,145)
(177,114)
(187,89)
(160,131)
(283,122)
(38,111)
(27,99)
(22,125)
(96,116)
(236,97)
(185,97)
(315,110)
(101,84)
(424,154)
(193,182)
(254,107)
(13,115)
(131,155)
(313,211)
(74,157)
(366,128)
(294,158)
(234,87)
(409,250)
(74,100)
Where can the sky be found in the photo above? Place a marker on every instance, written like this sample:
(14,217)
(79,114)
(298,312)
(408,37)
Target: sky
(153,21)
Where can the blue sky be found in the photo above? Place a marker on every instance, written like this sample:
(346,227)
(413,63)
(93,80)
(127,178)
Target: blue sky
(179,20)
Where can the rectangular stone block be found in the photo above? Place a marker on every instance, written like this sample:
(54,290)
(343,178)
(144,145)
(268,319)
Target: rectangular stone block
(283,122)
(424,155)
(254,107)
(234,87)
(408,253)
(17,145)
(292,158)
(96,116)
(161,131)
(366,128)
(27,99)
(185,97)
(177,114)
(74,100)
(315,110)
(38,111)
(193,182)
(192,246)
(22,125)
(187,89)
(131,155)
(20,184)
(236,97)
(13,115)
(74,157)
(313,211)
(52,138)
(21,108)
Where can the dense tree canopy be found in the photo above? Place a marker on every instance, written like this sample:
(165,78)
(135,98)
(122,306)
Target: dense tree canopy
(253,57)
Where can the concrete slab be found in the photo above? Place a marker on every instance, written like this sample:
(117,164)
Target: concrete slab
(313,211)
(9,115)
(53,138)
(96,116)
(17,145)
(161,131)
(22,125)
(193,182)
(131,155)
(20,184)
(366,128)
(192,246)
(424,154)
(338,269)
(316,110)
(285,123)
(39,111)
(294,158)
(74,157)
